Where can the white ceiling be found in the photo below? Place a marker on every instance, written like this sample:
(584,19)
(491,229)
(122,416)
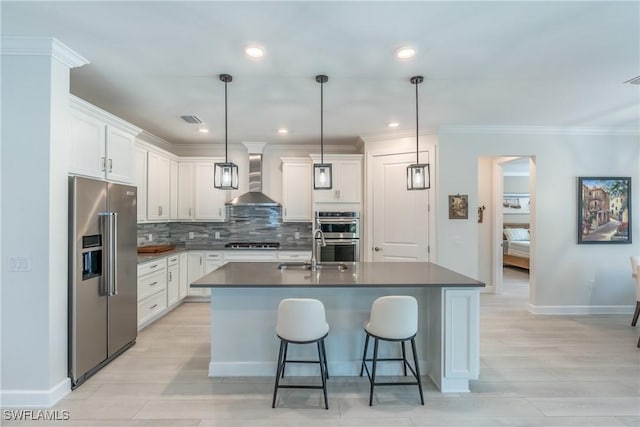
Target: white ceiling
(485,63)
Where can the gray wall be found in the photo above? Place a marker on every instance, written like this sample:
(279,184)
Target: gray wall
(564,276)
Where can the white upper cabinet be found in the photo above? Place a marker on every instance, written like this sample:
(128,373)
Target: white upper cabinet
(209,202)
(185,191)
(296,189)
(346,177)
(158,187)
(173,190)
(102,145)
(141,182)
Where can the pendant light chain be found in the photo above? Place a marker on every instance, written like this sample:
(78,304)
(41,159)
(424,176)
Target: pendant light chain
(321,121)
(417,146)
(226,147)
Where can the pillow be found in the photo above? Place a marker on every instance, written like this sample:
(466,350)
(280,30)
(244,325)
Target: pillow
(516,233)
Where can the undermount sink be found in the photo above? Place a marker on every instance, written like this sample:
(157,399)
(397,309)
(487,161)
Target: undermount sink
(340,266)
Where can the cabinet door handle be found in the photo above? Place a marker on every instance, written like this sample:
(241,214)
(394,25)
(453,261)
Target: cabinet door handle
(189,212)
(154,266)
(110,165)
(220,212)
(285,211)
(153,306)
(104,164)
(153,284)
(377,249)
(170,276)
(200,260)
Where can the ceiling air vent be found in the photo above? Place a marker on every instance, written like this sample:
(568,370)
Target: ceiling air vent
(191,119)
(634,81)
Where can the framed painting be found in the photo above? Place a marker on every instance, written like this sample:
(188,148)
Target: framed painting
(604,210)
(515,203)
(459,206)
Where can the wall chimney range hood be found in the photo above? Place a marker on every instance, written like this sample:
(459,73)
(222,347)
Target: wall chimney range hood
(255,196)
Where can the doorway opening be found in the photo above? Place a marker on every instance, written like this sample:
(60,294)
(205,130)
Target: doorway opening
(508,233)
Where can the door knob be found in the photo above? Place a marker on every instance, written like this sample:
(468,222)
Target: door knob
(377,249)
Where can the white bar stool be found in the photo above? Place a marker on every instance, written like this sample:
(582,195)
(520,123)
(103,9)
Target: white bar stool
(301,321)
(392,318)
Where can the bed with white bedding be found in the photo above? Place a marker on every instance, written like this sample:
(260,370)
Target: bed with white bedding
(516,245)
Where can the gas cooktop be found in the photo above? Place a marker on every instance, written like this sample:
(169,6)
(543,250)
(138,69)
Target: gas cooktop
(252,245)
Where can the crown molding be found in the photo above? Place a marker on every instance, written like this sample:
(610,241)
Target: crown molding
(396,135)
(538,130)
(41,46)
(156,140)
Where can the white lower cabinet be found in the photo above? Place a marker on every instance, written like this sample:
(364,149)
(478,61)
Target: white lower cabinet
(200,263)
(183,287)
(173,280)
(301,256)
(152,290)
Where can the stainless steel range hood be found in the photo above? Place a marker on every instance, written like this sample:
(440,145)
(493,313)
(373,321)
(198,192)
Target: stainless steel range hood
(255,196)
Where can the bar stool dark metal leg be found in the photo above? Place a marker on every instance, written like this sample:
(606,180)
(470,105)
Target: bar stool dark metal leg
(324,355)
(284,359)
(279,367)
(415,362)
(404,359)
(323,373)
(373,369)
(364,354)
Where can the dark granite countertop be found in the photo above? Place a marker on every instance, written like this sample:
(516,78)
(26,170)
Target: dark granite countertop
(359,274)
(142,258)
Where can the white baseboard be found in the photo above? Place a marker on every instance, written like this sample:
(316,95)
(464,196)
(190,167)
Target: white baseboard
(35,398)
(572,310)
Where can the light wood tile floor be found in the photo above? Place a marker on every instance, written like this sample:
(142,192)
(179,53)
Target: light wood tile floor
(535,371)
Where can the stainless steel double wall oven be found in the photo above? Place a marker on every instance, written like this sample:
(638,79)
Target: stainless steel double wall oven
(342,236)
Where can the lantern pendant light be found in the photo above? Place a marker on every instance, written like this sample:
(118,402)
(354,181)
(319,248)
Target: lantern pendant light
(418,175)
(322,171)
(225,175)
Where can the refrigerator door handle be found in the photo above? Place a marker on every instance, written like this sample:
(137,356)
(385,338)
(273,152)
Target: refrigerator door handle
(110,224)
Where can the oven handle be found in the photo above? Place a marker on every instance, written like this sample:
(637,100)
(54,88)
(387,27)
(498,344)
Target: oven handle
(340,241)
(337,221)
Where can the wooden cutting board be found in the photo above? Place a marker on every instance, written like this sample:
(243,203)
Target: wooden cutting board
(153,249)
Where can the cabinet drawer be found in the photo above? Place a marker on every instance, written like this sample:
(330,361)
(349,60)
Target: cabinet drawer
(152,266)
(151,307)
(294,255)
(172,260)
(151,284)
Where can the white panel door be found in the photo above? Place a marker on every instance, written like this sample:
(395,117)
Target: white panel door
(400,217)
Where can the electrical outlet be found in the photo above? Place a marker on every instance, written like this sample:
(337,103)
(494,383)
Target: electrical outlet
(191,235)
(216,235)
(150,237)
(296,235)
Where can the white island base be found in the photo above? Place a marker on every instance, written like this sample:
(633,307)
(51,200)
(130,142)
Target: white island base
(244,342)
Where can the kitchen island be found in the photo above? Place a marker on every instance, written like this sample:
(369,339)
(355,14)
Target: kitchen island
(245,298)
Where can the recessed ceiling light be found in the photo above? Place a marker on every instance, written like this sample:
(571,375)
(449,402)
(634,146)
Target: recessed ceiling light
(254,51)
(405,52)
(203,130)
(283,131)
(393,124)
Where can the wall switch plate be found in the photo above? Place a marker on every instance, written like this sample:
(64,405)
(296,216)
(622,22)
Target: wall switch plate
(19,264)
(216,235)
(150,237)
(296,235)
(191,235)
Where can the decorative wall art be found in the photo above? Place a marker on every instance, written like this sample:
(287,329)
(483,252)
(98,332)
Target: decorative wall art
(459,206)
(604,210)
(515,203)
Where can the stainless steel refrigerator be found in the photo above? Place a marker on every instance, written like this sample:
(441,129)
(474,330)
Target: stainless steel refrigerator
(102,274)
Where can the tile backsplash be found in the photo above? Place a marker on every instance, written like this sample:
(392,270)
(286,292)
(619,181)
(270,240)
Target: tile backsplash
(245,224)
